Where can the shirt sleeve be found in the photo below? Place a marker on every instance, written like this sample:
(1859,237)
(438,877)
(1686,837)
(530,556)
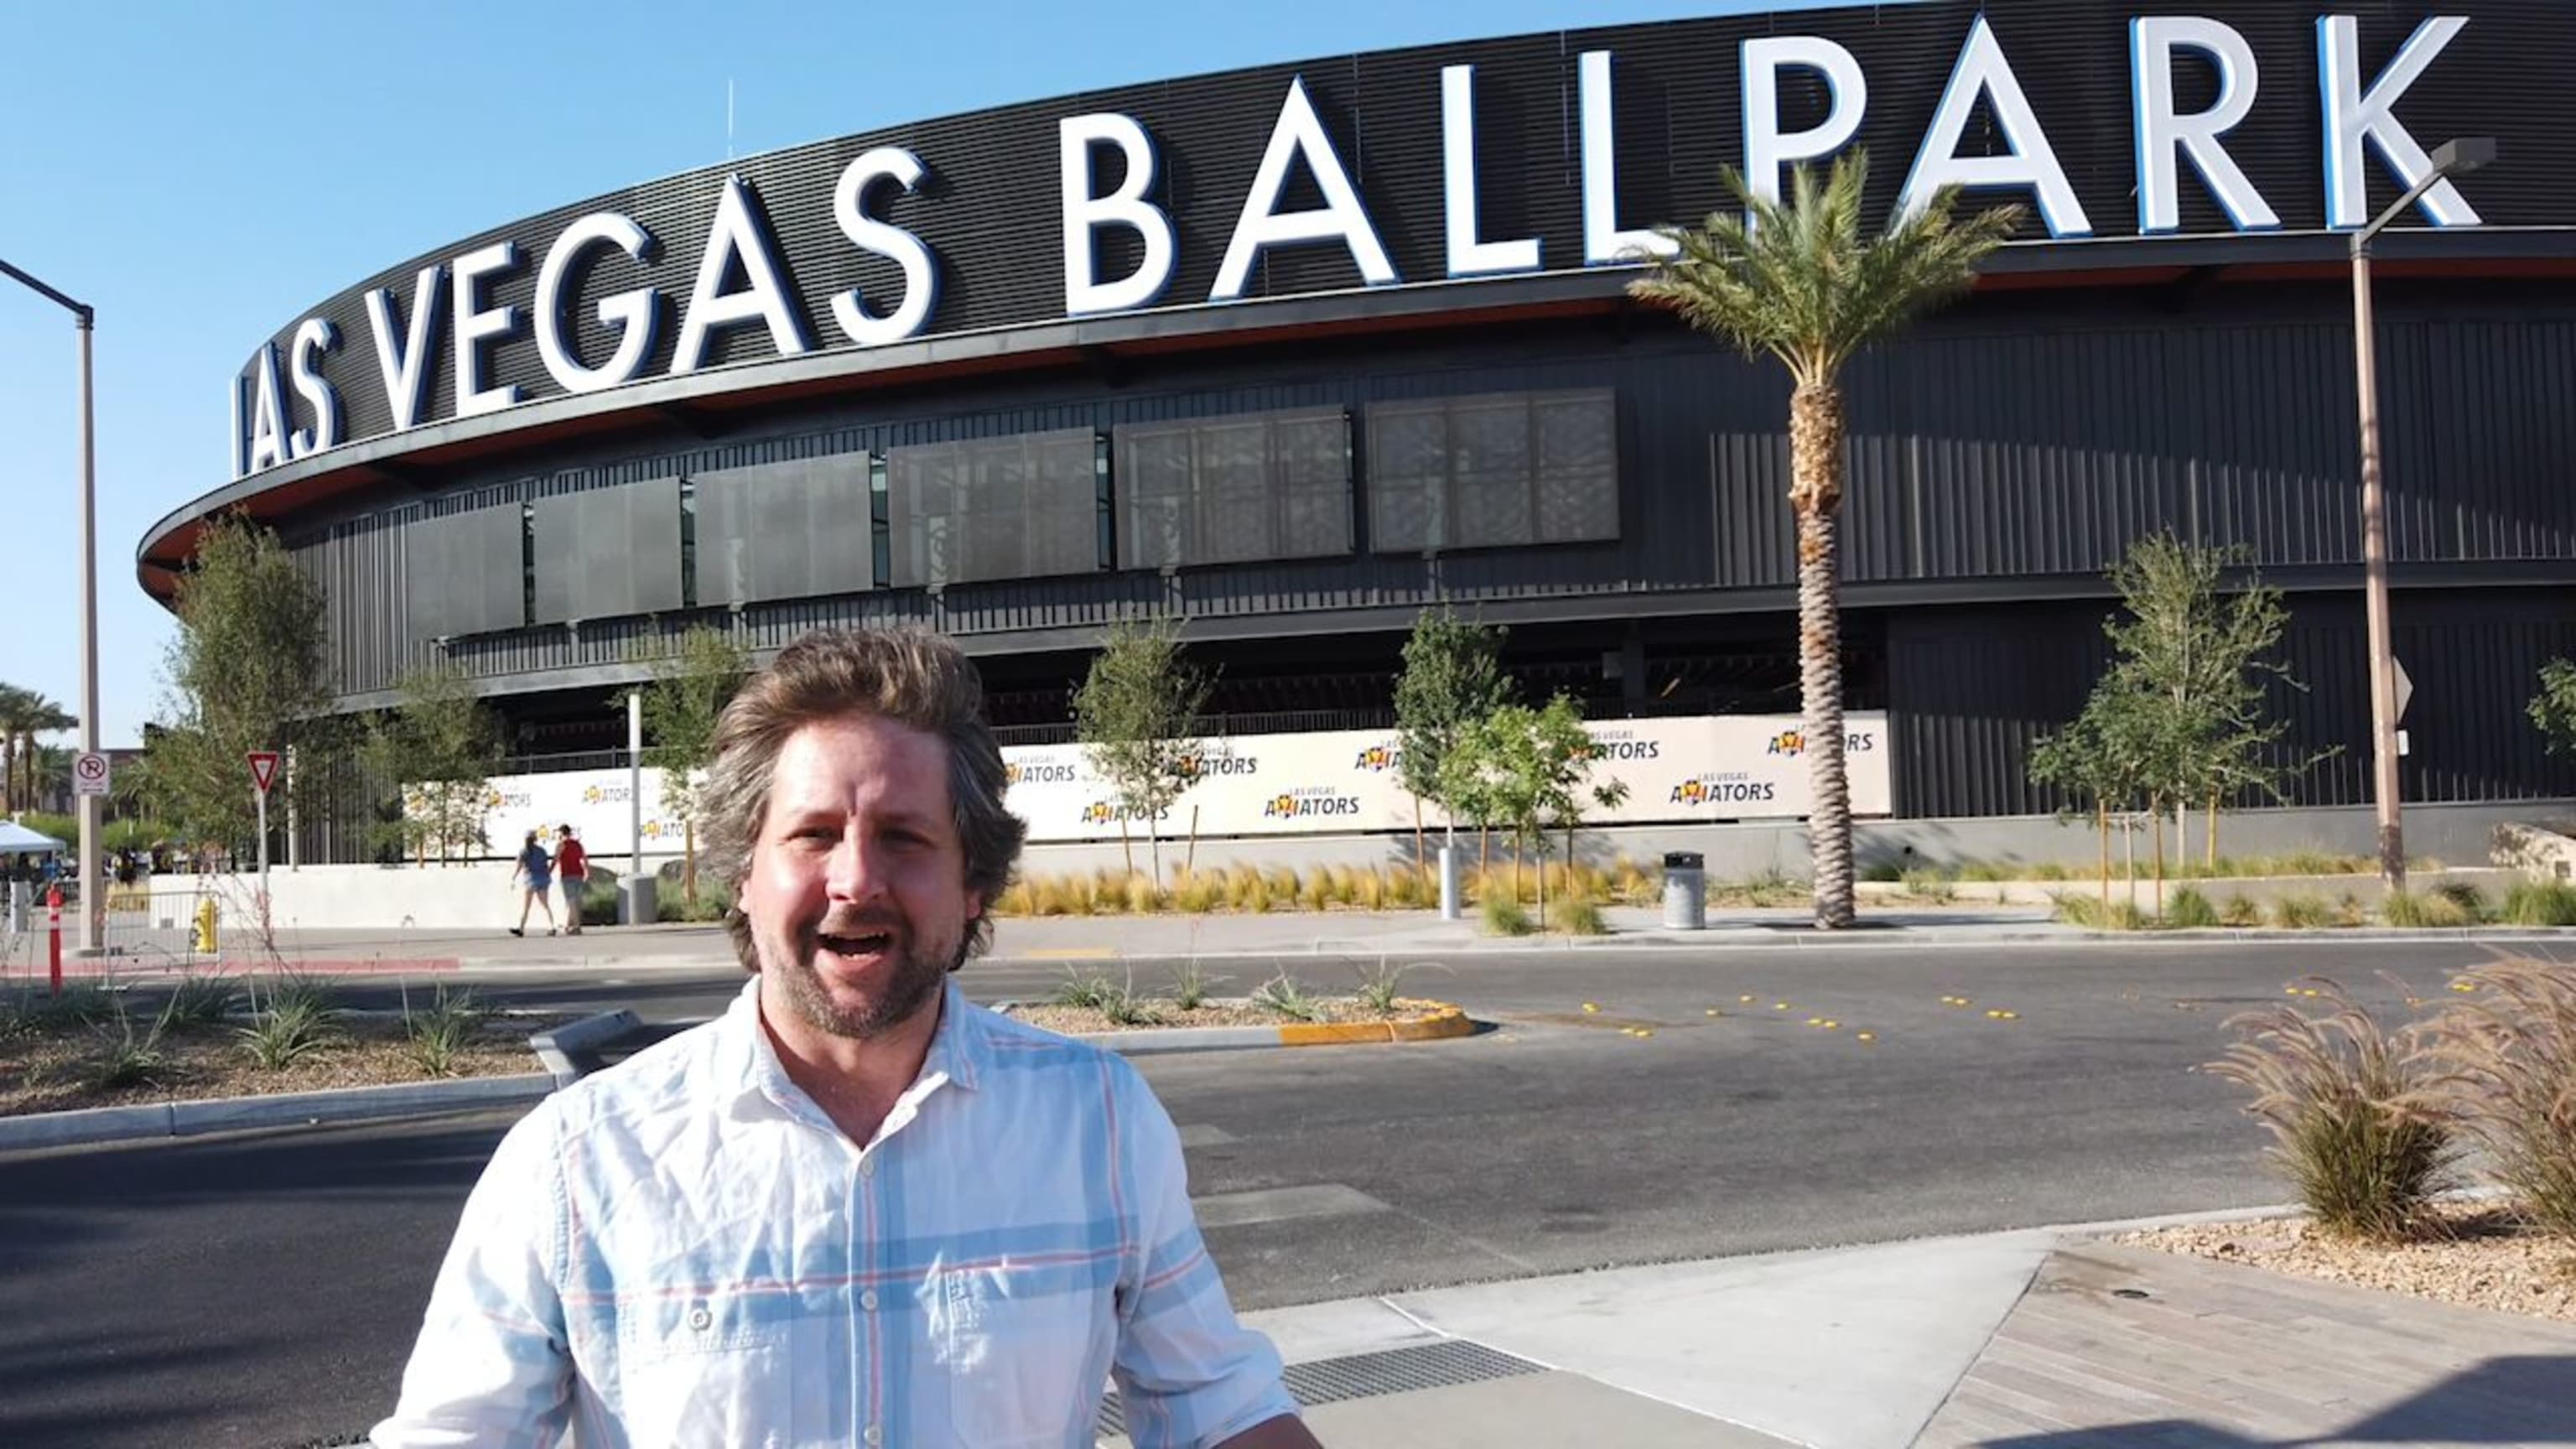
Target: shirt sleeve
(493,1364)
(1189,1375)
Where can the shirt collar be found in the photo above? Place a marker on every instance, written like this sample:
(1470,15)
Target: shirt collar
(959,1052)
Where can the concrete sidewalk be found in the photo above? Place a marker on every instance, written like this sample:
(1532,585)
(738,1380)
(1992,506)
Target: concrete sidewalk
(2046,1339)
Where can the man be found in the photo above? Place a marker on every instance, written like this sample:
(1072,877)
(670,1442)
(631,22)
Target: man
(856,1210)
(572,866)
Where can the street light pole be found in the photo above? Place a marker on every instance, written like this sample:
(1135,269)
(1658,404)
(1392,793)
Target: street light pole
(92,899)
(2451,158)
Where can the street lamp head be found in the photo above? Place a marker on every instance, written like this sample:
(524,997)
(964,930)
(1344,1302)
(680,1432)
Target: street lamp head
(2463,154)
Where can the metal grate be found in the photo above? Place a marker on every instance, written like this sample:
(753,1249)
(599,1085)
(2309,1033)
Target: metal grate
(1372,1375)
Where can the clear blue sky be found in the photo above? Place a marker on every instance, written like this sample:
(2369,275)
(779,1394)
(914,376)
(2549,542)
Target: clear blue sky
(203,173)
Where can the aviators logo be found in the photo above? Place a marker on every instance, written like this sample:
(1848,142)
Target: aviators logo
(1039,772)
(1309,801)
(1719,790)
(1378,759)
(1107,812)
(1202,765)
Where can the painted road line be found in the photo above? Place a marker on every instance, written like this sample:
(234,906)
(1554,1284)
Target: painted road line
(1068,953)
(1199,1134)
(1280,1204)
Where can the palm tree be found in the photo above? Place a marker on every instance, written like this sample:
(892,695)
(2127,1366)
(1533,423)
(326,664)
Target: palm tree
(15,707)
(1804,282)
(25,714)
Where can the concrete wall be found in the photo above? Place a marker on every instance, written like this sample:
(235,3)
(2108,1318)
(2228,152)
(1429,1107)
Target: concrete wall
(344,897)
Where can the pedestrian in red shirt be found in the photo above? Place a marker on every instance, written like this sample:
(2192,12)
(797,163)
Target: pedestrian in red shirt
(572,864)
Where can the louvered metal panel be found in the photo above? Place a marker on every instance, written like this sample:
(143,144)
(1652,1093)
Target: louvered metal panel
(607,553)
(784,530)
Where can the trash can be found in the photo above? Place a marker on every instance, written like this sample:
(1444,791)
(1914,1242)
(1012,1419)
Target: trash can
(1685,891)
(637,901)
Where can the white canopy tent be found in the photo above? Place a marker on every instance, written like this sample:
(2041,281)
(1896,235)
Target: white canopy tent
(16,839)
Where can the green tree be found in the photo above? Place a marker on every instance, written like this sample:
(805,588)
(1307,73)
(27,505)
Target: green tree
(2105,758)
(1453,676)
(1525,770)
(2553,709)
(438,749)
(1134,715)
(1803,281)
(24,715)
(246,671)
(682,707)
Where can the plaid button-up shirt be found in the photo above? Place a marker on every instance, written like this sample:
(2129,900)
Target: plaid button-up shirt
(684,1250)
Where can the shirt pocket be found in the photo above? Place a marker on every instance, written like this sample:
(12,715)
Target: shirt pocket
(703,1370)
(1022,1357)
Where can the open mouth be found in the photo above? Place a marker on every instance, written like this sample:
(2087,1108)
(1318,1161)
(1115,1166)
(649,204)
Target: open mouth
(865,944)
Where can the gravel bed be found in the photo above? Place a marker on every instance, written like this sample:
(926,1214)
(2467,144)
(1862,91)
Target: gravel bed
(2479,1256)
(1166,1015)
(53,1073)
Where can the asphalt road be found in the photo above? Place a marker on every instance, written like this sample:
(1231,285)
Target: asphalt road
(263,1290)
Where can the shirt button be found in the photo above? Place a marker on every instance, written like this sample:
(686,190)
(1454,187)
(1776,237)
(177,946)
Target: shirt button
(874,1435)
(868,1300)
(867,1167)
(699,1318)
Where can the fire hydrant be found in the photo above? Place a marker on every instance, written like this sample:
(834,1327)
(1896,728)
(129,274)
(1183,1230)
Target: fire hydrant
(207,915)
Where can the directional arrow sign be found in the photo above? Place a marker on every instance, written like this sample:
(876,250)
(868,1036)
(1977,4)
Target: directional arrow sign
(263,769)
(2405,687)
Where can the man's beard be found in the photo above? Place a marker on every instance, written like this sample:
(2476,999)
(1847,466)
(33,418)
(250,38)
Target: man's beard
(914,978)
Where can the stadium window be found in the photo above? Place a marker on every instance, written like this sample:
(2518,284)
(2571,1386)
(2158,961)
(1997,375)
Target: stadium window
(1493,470)
(1235,489)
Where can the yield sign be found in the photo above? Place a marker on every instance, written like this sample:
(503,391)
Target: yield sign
(263,769)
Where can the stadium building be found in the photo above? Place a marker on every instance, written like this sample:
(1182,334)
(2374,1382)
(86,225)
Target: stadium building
(1293,352)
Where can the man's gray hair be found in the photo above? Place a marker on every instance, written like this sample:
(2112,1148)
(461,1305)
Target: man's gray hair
(910,676)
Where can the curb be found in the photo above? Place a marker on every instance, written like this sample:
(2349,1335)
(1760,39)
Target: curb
(1440,1021)
(90,1125)
(555,1048)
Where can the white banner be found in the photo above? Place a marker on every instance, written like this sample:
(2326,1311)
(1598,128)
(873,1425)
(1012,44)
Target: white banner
(1336,782)
(1725,767)
(592,802)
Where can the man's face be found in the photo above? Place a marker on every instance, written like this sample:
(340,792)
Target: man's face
(856,891)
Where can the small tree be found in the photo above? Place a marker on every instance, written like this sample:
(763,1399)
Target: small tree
(437,749)
(2553,709)
(1134,714)
(1525,769)
(2106,758)
(246,671)
(1453,677)
(682,706)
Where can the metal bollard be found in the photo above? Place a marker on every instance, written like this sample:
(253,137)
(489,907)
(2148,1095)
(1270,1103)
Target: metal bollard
(1449,885)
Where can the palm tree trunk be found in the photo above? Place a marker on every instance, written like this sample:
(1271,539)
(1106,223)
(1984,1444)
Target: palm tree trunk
(1816,470)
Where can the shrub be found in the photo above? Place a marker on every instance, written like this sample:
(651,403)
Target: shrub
(298,991)
(2301,911)
(1315,888)
(2078,908)
(1341,885)
(1884,872)
(1284,883)
(287,1033)
(437,1036)
(1256,890)
(1016,899)
(127,1062)
(599,902)
(2429,909)
(2471,901)
(1575,916)
(1630,885)
(1081,990)
(1380,985)
(1281,994)
(1503,916)
(713,901)
(2540,903)
(2339,1095)
(1990,871)
(2187,909)
(1407,887)
(1930,885)
(1143,896)
(197,1001)
(1081,895)
(2048,870)
(1368,888)
(2506,1057)
(1190,987)
(1199,893)
(78,1004)
(2241,911)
